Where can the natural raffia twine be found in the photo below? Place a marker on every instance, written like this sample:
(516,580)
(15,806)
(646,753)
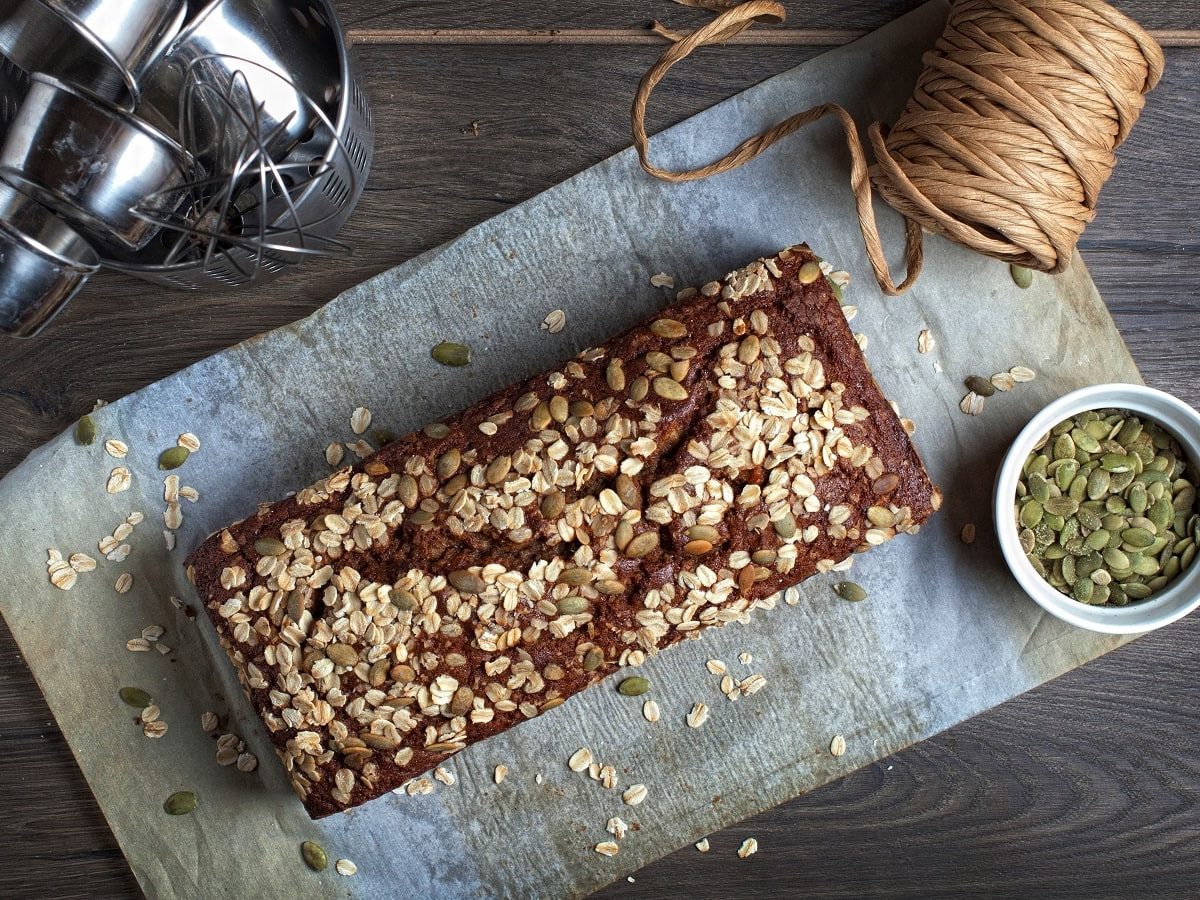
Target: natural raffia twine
(1007,139)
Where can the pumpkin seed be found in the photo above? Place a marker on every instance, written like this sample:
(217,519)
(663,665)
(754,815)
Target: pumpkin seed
(980,385)
(269,546)
(1060,506)
(85,431)
(342,654)
(173,458)
(592,659)
(634,686)
(642,545)
(669,389)
(572,605)
(808,273)
(135,697)
(1021,276)
(314,856)
(451,354)
(703,533)
(668,328)
(181,803)
(466,582)
(848,590)
(574,577)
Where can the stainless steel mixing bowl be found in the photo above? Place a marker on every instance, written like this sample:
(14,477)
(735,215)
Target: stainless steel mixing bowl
(105,45)
(92,162)
(43,263)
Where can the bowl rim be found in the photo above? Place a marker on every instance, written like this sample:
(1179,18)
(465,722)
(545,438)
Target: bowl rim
(1171,604)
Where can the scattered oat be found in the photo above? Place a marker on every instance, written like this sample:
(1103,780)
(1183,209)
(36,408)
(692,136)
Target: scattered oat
(153,632)
(154,729)
(81,562)
(634,794)
(360,420)
(555,321)
(662,280)
(419,786)
(651,711)
(189,442)
(925,341)
(745,658)
(971,404)
(119,480)
(444,775)
(150,714)
(862,340)
(968,533)
(607,777)
(716,667)
(138,645)
(702,845)
(752,684)
(176,602)
(124,583)
(119,554)
(247,762)
(1021,374)
(729,687)
(169,538)
(1003,381)
(116,449)
(360,448)
(135,518)
(608,848)
(190,494)
(173,517)
(909,426)
(838,745)
(537,778)
(163,649)
(617,827)
(209,721)
(345,867)
(749,848)
(698,716)
(334,454)
(501,773)
(122,531)
(580,759)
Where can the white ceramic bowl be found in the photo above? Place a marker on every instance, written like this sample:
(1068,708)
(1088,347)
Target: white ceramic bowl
(1183,594)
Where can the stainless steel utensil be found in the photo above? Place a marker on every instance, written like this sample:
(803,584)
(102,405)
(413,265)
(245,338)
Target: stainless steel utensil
(105,45)
(93,162)
(275,192)
(43,263)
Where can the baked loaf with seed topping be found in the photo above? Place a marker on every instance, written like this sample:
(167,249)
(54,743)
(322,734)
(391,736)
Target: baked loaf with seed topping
(480,572)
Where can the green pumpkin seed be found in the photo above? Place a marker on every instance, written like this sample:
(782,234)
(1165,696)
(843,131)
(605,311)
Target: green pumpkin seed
(1039,487)
(173,458)
(1115,462)
(85,431)
(1060,506)
(1064,447)
(135,697)
(1085,442)
(1021,276)
(980,385)
(1097,540)
(592,659)
(1137,537)
(1083,590)
(269,546)
(451,354)
(848,590)
(1031,514)
(314,856)
(572,605)
(634,686)
(181,803)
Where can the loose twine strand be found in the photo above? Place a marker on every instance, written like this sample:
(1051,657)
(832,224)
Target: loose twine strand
(1004,145)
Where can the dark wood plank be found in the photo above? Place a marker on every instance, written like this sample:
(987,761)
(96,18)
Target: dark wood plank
(1085,787)
(839,14)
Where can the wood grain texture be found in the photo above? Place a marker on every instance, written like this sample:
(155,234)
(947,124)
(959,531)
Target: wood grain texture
(1085,787)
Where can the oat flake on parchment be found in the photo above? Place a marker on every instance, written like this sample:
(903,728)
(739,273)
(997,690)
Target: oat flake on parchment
(555,321)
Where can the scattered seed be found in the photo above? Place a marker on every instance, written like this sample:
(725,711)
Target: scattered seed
(980,385)
(848,590)
(838,745)
(85,431)
(314,856)
(501,772)
(749,848)
(360,420)
(1021,276)
(450,354)
(135,697)
(634,686)
(181,803)
(555,321)
(173,458)
(651,711)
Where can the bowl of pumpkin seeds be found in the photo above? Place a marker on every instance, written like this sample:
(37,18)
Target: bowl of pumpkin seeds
(1096,508)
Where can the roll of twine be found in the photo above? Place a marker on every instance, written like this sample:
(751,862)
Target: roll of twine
(1004,145)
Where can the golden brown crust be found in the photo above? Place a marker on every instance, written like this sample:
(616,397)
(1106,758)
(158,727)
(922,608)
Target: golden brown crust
(727,448)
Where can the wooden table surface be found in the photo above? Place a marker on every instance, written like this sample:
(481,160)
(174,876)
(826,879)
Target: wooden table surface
(1089,786)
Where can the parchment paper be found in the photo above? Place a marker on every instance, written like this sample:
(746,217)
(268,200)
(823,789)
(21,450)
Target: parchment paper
(945,634)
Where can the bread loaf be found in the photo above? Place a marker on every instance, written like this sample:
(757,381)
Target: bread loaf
(482,571)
